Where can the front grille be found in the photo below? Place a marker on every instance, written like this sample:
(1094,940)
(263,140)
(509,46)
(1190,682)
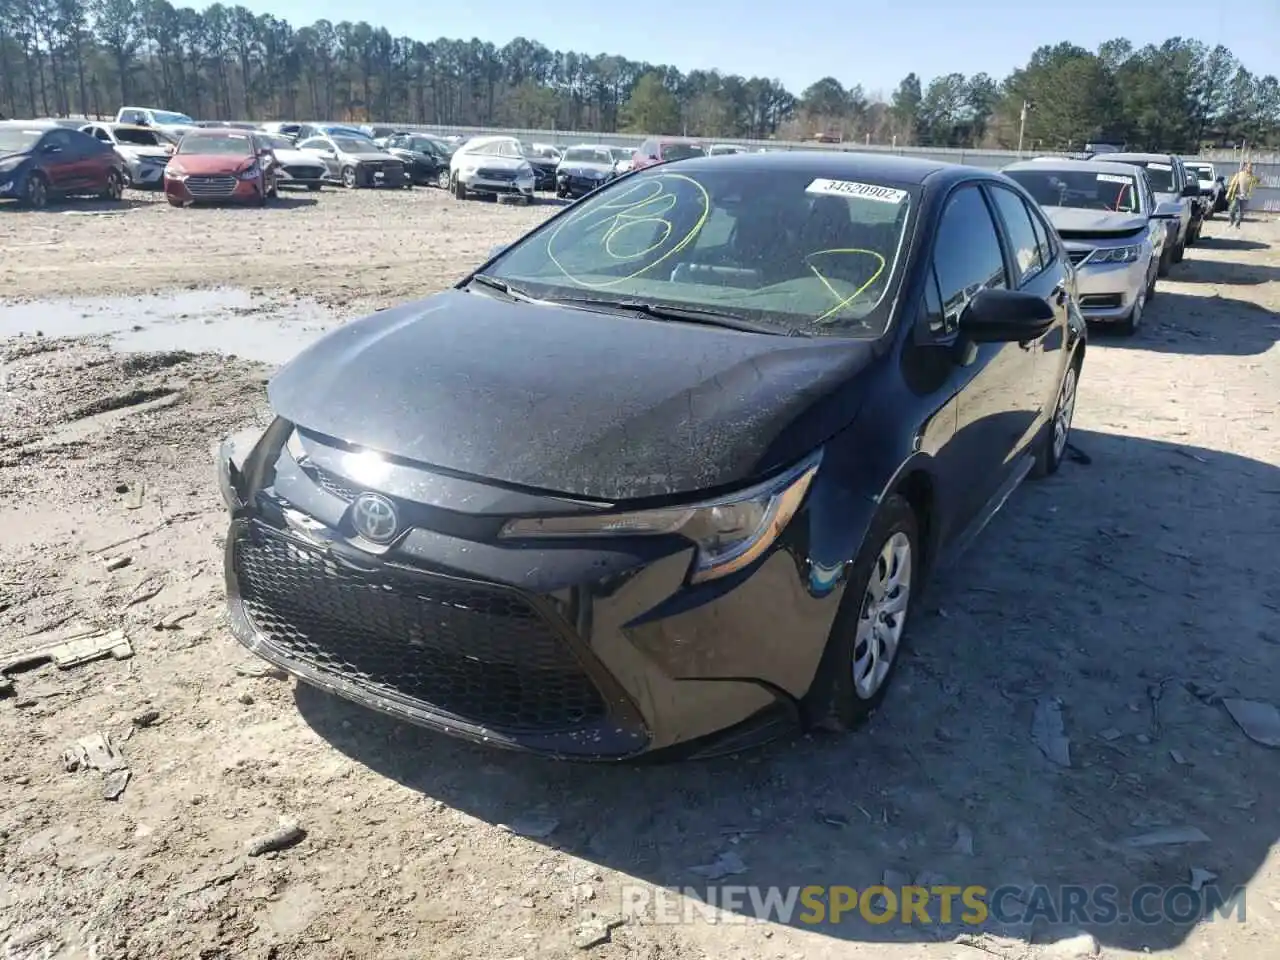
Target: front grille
(304,173)
(211,187)
(1101,301)
(496,174)
(479,653)
(1079,256)
(333,483)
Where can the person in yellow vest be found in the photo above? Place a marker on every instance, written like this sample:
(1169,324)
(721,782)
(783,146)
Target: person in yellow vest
(1238,192)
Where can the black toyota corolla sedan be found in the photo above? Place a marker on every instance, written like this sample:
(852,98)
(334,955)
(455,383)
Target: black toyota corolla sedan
(669,472)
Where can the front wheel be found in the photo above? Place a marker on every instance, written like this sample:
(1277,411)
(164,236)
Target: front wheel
(459,189)
(1054,445)
(1129,325)
(114,189)
(1179,251)
(1165,256)
(869,630)
(314,187)
(36,194)
(349,177)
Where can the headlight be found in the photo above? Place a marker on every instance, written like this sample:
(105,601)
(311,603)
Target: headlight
(174,172)
(730,533)
(8,166)
(1116,254)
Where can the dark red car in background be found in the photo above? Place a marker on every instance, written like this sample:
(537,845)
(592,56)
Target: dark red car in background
(220,165)
(40,161)
(664,150)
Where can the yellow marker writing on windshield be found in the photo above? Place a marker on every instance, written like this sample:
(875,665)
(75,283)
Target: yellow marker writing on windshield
(843,301)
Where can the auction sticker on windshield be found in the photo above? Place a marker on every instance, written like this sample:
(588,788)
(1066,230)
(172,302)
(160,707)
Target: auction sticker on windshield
(850,188)
(1113,178)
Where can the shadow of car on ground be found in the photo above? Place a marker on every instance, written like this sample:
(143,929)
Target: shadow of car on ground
(1210,325)
(1137,589)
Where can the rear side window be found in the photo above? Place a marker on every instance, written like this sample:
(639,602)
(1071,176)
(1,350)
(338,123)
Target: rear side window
(1044,240)
(1021,234)
(967,255)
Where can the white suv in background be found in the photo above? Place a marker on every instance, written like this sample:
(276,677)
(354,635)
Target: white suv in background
(491,166)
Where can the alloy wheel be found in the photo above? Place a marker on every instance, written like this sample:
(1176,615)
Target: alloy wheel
(37,192)
(115,186)
(883,616)
(442,179)
(1063,414)
(348,177)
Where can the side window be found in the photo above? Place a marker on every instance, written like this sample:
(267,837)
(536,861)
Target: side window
(58,138)
(1022,236)
(1044,237)
(509,150)
(967,255)
(102,134)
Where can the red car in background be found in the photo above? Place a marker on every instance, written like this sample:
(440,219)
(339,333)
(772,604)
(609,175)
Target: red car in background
(664,150)
(220,165)
(41,161)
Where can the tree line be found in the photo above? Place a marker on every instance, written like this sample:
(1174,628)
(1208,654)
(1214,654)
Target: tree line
(88,57)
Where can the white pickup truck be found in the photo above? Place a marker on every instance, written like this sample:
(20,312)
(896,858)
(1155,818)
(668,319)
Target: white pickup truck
(1213,186)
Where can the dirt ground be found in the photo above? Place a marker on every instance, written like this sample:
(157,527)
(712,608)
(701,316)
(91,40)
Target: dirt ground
(1139,587)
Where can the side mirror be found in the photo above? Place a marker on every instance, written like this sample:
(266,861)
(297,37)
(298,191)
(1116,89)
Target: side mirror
(1220,180)
(1167,210)
(1191,190)
(1005,316)
(494,251)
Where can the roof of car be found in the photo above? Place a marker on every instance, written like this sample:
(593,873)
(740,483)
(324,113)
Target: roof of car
(837,164)
(1142,157)
(1066,163)
(30,124)
(589,146)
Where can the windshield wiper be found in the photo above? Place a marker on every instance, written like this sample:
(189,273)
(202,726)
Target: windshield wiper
(493,283)
(710,318)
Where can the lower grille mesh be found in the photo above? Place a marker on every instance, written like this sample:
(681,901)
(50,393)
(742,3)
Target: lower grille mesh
(481,654)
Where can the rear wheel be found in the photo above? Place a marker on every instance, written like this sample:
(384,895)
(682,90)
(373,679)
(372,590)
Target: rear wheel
(1179,251)
(867,637)
(442,179)
(1054,445)
(114,189)
(36,193)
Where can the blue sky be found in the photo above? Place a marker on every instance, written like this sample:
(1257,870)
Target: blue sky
(799,41)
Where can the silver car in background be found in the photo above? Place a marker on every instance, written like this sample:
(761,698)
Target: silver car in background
(1171,185)
(1114,231)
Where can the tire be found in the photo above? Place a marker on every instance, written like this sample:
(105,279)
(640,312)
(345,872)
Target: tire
(459,189)
(1179,251)
(114,189)
(173,202)
(442,179)
(1053,447)
(35,196)
(349,177)
(274,192)
(1151,284)
(865,644)
(1165,257)
(1129,325)
(314,187)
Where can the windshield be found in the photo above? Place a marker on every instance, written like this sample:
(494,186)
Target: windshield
(16,140)
(352,145)
(138,138)
(778,248)
(621,153)
(681,151)
(1083,189)
(277,143)
(1202,170)
(587,155)
(1160,175)
(426,145)
(232,144)
(164,116)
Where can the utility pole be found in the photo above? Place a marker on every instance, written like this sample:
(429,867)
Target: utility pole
(1022,126)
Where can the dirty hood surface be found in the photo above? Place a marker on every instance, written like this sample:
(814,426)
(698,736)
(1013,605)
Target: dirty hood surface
(1068,220)
(589,404)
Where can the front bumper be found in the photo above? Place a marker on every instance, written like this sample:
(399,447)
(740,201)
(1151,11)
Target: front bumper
(143,174)
(478,183)
(573,186)
(600,654)
(299,174)
(214,189)
(1107,292)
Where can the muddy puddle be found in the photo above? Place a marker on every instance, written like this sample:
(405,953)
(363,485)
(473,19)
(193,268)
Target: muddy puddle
(232,322)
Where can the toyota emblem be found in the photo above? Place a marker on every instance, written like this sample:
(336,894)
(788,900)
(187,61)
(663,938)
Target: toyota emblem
(374,517)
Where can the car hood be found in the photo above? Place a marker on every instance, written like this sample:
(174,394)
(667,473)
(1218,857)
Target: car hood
(489,163)
(14,157)
(569,401)
(137,151)
(575,167)
(298,156)
(205,164)
(369,156)
(1069,220)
